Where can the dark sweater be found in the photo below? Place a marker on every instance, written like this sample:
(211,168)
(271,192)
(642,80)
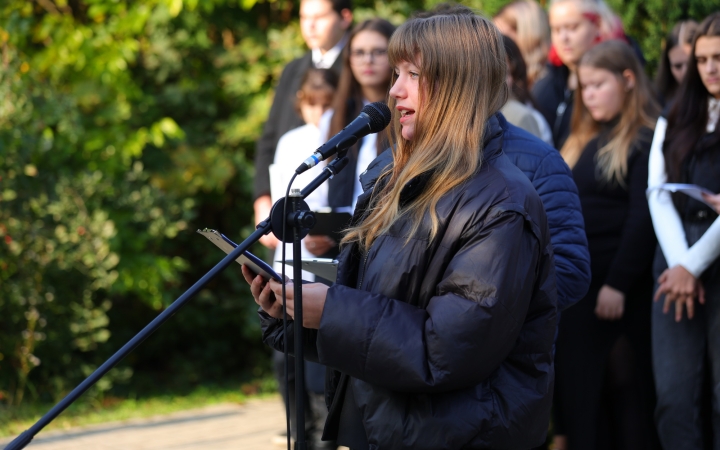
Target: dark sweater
(617,218)
(555,101)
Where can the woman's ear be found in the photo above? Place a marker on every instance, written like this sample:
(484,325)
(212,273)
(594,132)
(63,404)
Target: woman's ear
(629,78)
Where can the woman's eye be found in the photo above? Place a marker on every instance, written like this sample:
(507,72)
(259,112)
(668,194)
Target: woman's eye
(414,75)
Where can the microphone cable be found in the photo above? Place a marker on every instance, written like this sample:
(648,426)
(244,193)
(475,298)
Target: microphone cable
(285,339)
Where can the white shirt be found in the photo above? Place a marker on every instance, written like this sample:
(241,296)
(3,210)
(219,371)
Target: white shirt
(667,222)
(325,61)
(292,149)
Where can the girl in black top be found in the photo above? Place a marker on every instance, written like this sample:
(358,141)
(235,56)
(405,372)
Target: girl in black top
(604,381)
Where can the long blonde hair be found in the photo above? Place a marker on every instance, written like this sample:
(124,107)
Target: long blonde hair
(530,22)
(462,67)
(639,110)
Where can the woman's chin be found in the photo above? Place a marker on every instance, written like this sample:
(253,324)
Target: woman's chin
(407,133)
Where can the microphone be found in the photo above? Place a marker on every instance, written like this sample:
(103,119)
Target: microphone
(373,118)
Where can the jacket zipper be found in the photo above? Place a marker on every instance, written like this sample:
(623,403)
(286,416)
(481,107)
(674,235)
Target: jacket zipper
(362,274)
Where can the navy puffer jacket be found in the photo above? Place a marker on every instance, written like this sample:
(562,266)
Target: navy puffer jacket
(553,181)
(446,344)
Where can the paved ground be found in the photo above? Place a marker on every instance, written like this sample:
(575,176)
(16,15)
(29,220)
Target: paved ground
(251,426)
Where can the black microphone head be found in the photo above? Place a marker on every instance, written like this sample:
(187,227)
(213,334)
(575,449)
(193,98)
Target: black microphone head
(379,116)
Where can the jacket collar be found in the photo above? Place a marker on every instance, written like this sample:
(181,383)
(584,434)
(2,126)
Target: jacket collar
(492,148)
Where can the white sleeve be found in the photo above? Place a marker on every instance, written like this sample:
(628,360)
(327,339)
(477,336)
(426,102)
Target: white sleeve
(704,251)
(666,220)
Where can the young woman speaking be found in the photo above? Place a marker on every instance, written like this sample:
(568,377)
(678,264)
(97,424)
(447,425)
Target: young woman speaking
(440,326)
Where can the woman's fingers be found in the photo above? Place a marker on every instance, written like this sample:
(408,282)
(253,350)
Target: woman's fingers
(669,298)
(690,305)
(248,274)
(678,310)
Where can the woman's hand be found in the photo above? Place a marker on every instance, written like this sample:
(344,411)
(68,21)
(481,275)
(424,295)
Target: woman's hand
(319,245)
(714,200)
(260,290)
(269,296)
(262,207)
(610,303)
(681,287)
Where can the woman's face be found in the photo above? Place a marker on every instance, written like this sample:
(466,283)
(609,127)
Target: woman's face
(505,28)
(405,91)
(603,92)
(571,33)
(707,54)
(678,57)
(312,113)
(369,60)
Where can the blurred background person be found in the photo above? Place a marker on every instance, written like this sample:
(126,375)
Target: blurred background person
(575,27)
(324,25)
(526,23)
(686,149)
(604,394)
(519,109)
(313,99)
(674,59)
(365,79)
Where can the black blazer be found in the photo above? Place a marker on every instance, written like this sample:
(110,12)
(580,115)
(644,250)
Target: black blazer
(282,118)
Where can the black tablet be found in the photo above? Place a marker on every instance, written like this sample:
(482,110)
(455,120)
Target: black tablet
(254,263)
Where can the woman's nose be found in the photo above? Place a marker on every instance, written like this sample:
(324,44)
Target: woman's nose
(397,90)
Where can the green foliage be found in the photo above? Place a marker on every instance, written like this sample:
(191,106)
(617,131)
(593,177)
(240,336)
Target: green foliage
(649,21)
(124,126)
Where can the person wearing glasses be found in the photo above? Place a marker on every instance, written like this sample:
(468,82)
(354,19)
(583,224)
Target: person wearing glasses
(365,78)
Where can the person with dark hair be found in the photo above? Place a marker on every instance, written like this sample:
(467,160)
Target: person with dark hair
(324,25)
(365,79)
(686,149)
(519,109)
(604,397)
(314,98)
(674,59)
(440,326)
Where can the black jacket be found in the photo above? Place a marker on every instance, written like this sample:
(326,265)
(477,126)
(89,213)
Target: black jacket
(282,118)
(555,101)
(447,344)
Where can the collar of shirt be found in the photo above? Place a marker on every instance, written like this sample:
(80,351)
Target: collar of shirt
(325,61)
(713,114)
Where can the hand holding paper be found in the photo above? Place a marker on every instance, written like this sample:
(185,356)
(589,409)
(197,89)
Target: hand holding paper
(692,190)
(713,201)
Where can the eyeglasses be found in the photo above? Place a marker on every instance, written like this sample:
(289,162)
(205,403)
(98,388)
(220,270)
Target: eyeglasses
(359,55)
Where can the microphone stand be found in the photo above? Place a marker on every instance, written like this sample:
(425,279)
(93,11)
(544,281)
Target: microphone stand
(301,220)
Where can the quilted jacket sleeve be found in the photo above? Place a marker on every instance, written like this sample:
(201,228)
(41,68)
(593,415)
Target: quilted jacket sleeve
(468,329)
(554,183)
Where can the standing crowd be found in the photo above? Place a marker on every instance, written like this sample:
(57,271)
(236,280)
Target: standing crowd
(603,271)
